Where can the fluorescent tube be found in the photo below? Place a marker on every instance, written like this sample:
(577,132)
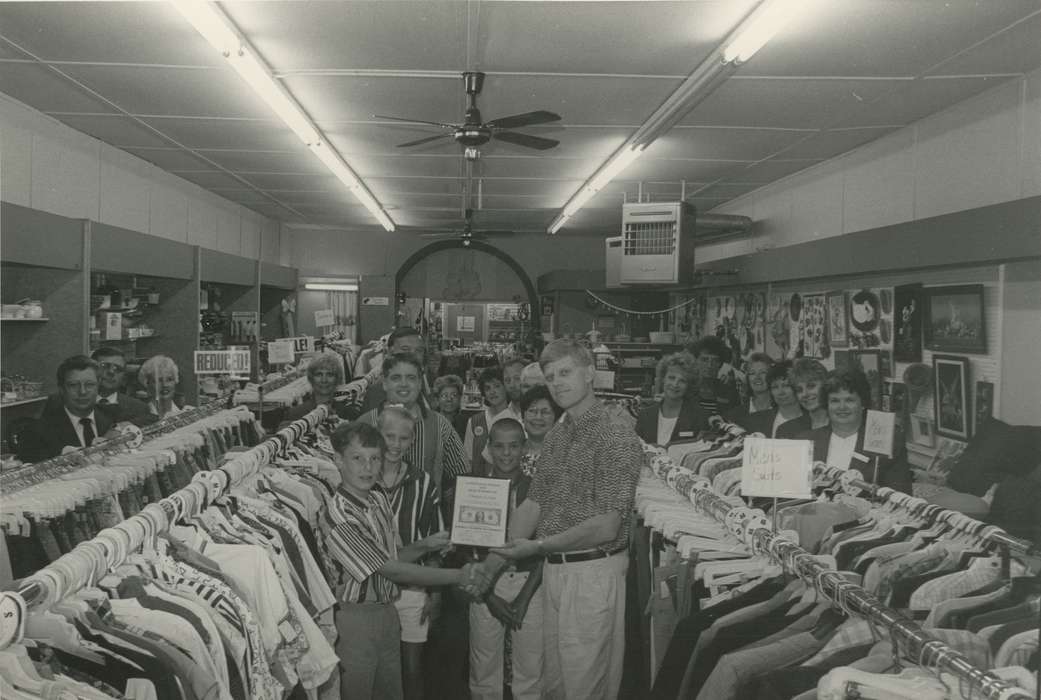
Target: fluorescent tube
(315,287)
(607,172)
(767,20)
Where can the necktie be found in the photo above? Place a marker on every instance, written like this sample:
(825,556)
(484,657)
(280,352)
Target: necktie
(88,431)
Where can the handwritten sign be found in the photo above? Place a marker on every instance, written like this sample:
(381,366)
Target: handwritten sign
(234,362)
(879,430)
(777,468)
(480,512)
(375,301)
(325,317)
(280,351)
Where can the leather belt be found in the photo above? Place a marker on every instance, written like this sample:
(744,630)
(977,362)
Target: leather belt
(575,557)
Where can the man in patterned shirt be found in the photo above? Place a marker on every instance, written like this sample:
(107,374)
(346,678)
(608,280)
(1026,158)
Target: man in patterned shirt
(579,510)
(359,537)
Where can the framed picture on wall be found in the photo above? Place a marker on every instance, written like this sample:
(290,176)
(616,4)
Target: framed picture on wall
(954,319)
(951,381)
(838,320)
(984,404)
(870,362)
(907,323)
(922,431)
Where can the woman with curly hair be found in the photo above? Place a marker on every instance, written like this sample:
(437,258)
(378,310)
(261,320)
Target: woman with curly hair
(678,415)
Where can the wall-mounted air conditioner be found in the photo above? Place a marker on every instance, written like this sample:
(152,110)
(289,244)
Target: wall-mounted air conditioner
(657,243)
(614,262)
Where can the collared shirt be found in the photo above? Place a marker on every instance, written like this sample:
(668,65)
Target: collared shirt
(436,446)
(479,434)
(112,398)
(840,450)
(78,427)
(588,467)
(414,500)
(359,537)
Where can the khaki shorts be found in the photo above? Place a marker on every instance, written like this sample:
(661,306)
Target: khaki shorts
(410,609)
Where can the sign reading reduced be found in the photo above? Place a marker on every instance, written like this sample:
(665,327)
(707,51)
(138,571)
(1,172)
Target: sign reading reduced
(777,468)
(236,362)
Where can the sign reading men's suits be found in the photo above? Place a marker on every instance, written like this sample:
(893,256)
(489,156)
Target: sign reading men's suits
(777,468)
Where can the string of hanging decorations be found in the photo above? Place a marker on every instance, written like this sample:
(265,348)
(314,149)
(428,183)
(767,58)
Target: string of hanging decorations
(634,312)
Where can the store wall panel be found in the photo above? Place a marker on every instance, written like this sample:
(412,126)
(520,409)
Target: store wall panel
(968,156)
(229,232)
(168,214)
(64,178)
(250,240)
(125,194)
(34,237)
(269,242)
(115,249)
(202,223)
(272,275)
(817,206)
(884,173)
(227,269)
(1020,390)
(16,153)
(1031,120)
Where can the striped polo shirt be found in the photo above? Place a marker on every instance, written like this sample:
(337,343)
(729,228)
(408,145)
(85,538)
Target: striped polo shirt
(359,536)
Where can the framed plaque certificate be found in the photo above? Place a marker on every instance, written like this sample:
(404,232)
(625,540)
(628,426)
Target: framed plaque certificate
(481,510)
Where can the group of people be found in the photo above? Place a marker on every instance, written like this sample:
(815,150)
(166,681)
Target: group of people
(788,399)
(92,399)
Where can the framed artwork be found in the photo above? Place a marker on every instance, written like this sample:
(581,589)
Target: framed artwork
(871,318)
(842,359)
(951,379)
(922,431)
(907,323)
(813,327)
(954,320)
(838,320)
(984,404)
(870,362)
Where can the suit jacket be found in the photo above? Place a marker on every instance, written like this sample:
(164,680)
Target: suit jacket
(893,472)
(127,408)
(791,430)
(53,430)
(689,422)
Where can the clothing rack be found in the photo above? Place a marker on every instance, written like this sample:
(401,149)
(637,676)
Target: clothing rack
(751,526)
(989,533)
(89,560)
(29,474)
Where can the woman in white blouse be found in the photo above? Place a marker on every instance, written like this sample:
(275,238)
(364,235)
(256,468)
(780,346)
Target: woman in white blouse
(159,376)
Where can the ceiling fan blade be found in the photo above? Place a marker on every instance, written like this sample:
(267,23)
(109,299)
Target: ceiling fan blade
(426,140)
(416,121)
(536,142)
(526,119)
(441,234)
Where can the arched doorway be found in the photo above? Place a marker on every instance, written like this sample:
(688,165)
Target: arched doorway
(504,263)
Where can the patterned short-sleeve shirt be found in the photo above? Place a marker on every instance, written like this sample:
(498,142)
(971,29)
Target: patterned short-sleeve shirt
(588,467)
(359,537)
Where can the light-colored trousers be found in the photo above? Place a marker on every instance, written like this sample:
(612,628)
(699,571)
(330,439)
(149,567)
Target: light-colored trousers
(488,637)
(584,628)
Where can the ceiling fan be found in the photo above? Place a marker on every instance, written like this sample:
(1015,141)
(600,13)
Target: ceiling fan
(474,132)
(467,232)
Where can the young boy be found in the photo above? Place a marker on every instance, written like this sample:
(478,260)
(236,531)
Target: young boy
(513,593)
(511,380)
(497,407)
(414,500)
(360,541)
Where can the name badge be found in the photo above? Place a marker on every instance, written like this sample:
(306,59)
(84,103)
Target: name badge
(686,433)
(862,458)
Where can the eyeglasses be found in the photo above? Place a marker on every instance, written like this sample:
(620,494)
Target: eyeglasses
(111,366)
(539,412)
(82,386)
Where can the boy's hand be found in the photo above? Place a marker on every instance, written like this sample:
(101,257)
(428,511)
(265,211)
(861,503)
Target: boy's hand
(436,542)
(502,611)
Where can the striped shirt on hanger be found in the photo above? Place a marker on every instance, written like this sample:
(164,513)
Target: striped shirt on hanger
(358,538)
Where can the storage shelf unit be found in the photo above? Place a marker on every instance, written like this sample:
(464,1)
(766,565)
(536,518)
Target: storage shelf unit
(629,378)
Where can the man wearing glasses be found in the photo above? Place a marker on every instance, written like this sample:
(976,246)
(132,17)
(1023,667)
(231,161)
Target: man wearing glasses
(112,365)
(70,421)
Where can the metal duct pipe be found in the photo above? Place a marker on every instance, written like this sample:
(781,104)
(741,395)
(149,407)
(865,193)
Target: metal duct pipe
(721,224)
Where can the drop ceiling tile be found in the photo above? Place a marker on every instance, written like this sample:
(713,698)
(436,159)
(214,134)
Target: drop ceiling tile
(880,37)
(356,98)
(725,191)
(293,181)
(1013,51)
(208,179)
(111,32)
(399,35)
(299,161)
(507,185)
(537,201)
(828,144)
(245,196)
(188,92)
(768,171)
(121,132)
(43,89)
(722,143)
(240,134)
(920,99)
(565,168)
(558,36)
(170,158)
(414,201)
(414,185)
(690,170)
(409,165)
(803,104)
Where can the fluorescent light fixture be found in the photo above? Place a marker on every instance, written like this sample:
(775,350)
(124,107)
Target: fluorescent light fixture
(316,287)
(218,30)
(766,20)
(621,160)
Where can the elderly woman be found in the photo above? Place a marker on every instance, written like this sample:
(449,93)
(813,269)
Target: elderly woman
(324,374)
(159,376)
(448,400)
(759,364)
(807,377)
(771,423)
(847,396)
(678,415)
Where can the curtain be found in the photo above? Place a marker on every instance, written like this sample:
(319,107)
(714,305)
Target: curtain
(344,306)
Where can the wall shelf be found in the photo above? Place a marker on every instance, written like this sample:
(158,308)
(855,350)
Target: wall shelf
(24,320)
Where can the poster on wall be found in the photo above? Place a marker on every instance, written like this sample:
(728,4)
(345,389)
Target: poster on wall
(813,336)
(871,318)
(779,326)
(722,322)
(907,323)
(954,319)
(688,321)
(951,378)
(751,310)
(838,320)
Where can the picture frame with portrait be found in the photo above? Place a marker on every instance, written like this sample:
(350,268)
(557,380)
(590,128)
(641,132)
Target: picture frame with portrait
(955,320)
(838,320)
(907,323)
(951,396)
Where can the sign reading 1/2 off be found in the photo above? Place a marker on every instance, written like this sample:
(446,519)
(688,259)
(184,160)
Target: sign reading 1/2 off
(236,362)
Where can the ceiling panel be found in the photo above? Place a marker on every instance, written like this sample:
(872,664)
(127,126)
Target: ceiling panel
(558,37)
(921,99)
(724,191)
(375,166)
(1015,50)
(121,132)
(399,35)
(881,37)
(171,159)
(357,98)
(417,185)
(768,171)
(241,134)
(721,143)
(509,185)
(689,170)
(192,92)
(111,32)
(43,89)
(421,201)
(566,168)
(801,104)
(301,161)
(827,144)
(517,201)
(208,179)
(293,181)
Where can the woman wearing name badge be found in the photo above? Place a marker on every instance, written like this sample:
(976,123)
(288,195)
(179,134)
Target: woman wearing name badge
(678,416)
(847,395)
(159,376)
